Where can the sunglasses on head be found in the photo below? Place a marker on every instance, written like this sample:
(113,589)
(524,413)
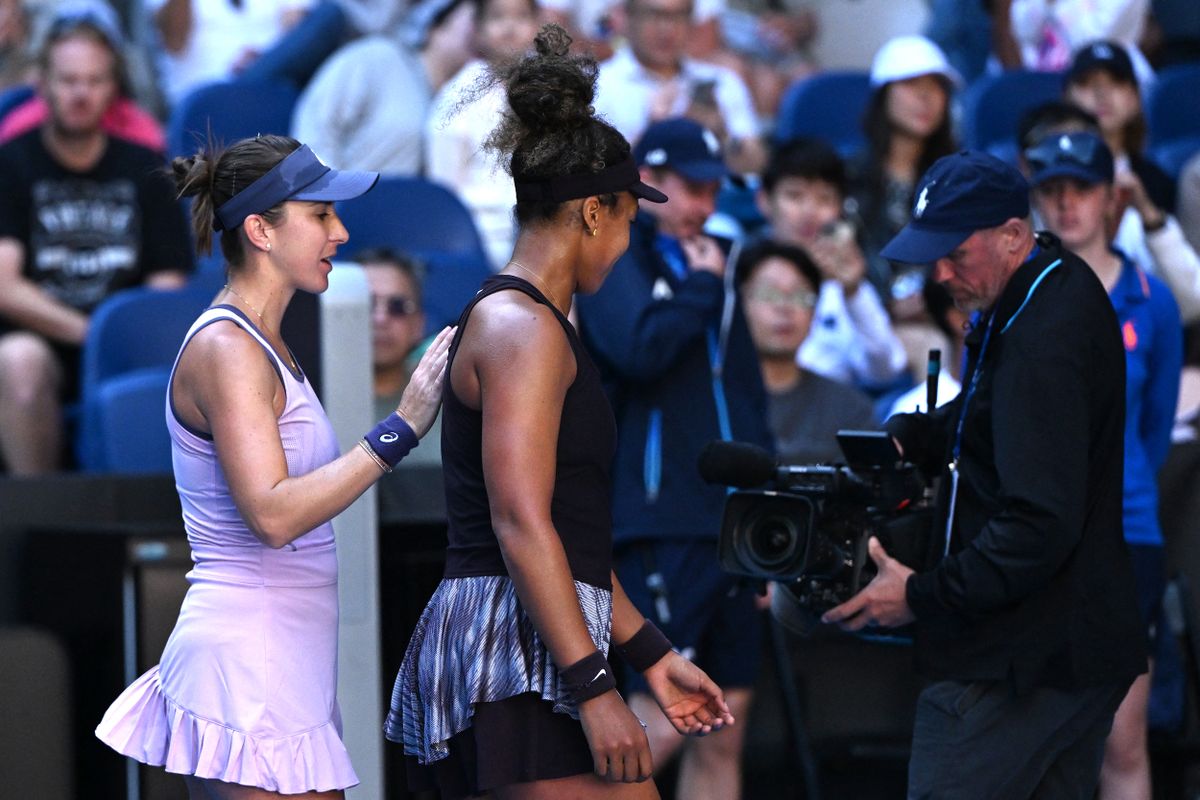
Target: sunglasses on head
(394,305)
(1062,149)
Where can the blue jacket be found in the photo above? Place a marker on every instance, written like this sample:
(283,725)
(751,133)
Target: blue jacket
(653,331)
(1150,330)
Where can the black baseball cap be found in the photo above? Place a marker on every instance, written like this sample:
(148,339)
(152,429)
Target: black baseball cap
(1081,155)
(1102,55)
(961,193)
(682,146)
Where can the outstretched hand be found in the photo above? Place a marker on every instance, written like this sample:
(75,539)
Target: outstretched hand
(687,696)
(883,601)
(423,396)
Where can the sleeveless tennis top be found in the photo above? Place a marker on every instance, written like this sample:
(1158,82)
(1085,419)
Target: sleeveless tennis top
(581,505)
(209,515)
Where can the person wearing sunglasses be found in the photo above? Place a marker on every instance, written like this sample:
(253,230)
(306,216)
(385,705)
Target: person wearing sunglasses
(780,285)
(397,330)
(1027,627)
(1072,175)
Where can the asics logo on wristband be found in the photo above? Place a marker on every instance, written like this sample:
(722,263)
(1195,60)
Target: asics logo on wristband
(389,437)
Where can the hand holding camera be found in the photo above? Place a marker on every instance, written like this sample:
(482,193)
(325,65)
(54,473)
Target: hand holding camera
(839,257)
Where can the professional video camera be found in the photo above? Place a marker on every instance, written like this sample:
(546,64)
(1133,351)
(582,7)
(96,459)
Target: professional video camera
(808,529)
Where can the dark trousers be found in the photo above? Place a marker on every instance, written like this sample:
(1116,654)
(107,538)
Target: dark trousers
(980,741)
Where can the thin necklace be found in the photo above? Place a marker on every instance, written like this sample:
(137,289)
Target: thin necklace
(232,291)
(540,282)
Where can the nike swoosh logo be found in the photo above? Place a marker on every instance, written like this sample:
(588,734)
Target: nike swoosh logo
(598,676)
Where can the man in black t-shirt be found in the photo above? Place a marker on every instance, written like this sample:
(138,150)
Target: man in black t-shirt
(82,216)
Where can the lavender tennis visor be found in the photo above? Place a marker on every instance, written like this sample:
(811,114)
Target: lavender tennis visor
(299,176)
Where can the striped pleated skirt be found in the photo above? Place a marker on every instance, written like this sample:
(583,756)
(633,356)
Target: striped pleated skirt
(476,677)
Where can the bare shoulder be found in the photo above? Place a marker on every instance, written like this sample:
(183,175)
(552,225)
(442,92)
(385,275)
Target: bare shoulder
(223,358)
(513,327)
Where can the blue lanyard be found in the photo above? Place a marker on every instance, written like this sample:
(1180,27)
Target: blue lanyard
(972,386)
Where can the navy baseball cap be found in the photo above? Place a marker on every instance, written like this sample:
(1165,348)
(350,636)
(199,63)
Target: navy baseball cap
(960,194)
(1103,55)
(683,146)
(1080,155)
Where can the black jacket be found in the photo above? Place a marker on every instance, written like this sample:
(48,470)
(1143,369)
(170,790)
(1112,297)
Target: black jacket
(1037,587)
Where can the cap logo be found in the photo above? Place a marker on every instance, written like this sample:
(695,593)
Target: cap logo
(711,142)
(1102,50)
(923,200)
(656,157)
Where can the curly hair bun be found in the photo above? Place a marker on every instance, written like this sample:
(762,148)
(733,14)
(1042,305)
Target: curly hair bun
(553,90)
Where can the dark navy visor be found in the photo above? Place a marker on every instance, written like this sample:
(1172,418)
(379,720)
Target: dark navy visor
(299,176)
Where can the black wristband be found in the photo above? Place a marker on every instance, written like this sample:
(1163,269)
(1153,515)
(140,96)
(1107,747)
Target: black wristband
(588,677)
(645,648)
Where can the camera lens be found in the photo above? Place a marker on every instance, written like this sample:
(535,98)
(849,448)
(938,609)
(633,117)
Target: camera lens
(772,541)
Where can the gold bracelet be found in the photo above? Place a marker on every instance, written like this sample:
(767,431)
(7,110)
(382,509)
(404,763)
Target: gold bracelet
(374,456)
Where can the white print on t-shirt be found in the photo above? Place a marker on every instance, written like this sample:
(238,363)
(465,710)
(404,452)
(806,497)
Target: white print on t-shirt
(85,234)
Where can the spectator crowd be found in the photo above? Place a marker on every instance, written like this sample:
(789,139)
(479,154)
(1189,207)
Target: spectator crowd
(754,305)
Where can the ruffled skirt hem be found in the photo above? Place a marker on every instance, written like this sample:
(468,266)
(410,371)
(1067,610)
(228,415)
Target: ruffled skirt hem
(148,726)
(474,643)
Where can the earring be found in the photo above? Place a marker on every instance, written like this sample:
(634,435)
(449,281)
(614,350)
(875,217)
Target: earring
(268,245)
(595,231)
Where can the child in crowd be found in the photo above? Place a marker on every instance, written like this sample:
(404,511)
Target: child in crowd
(802,197)
(1073,179)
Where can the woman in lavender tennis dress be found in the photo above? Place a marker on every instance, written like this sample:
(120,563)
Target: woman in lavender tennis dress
(243,702)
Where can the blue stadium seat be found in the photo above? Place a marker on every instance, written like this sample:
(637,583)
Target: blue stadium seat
(827,106)
(1173,155)
(131,421)
(14,96)
(229,111)
(994,105)
(1172,113)
(426,220)
(134,330)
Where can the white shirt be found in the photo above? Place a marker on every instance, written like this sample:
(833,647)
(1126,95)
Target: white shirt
(625,91)
(365,108)
(220,34)
(1049,32)
(454,156)
(915,399)
(588,14)
(1167,255)
(852,341)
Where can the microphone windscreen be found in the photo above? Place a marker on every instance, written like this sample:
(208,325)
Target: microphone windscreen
(736,464)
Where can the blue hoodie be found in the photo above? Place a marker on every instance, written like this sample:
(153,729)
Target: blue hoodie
(654,330)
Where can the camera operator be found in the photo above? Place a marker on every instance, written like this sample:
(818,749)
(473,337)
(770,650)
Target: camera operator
(1028,627)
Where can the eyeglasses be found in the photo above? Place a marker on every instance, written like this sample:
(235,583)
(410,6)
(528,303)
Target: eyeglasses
(1073,148)
(799,299)
(394,305)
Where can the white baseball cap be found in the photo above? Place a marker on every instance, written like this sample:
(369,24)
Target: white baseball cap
(907,57)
